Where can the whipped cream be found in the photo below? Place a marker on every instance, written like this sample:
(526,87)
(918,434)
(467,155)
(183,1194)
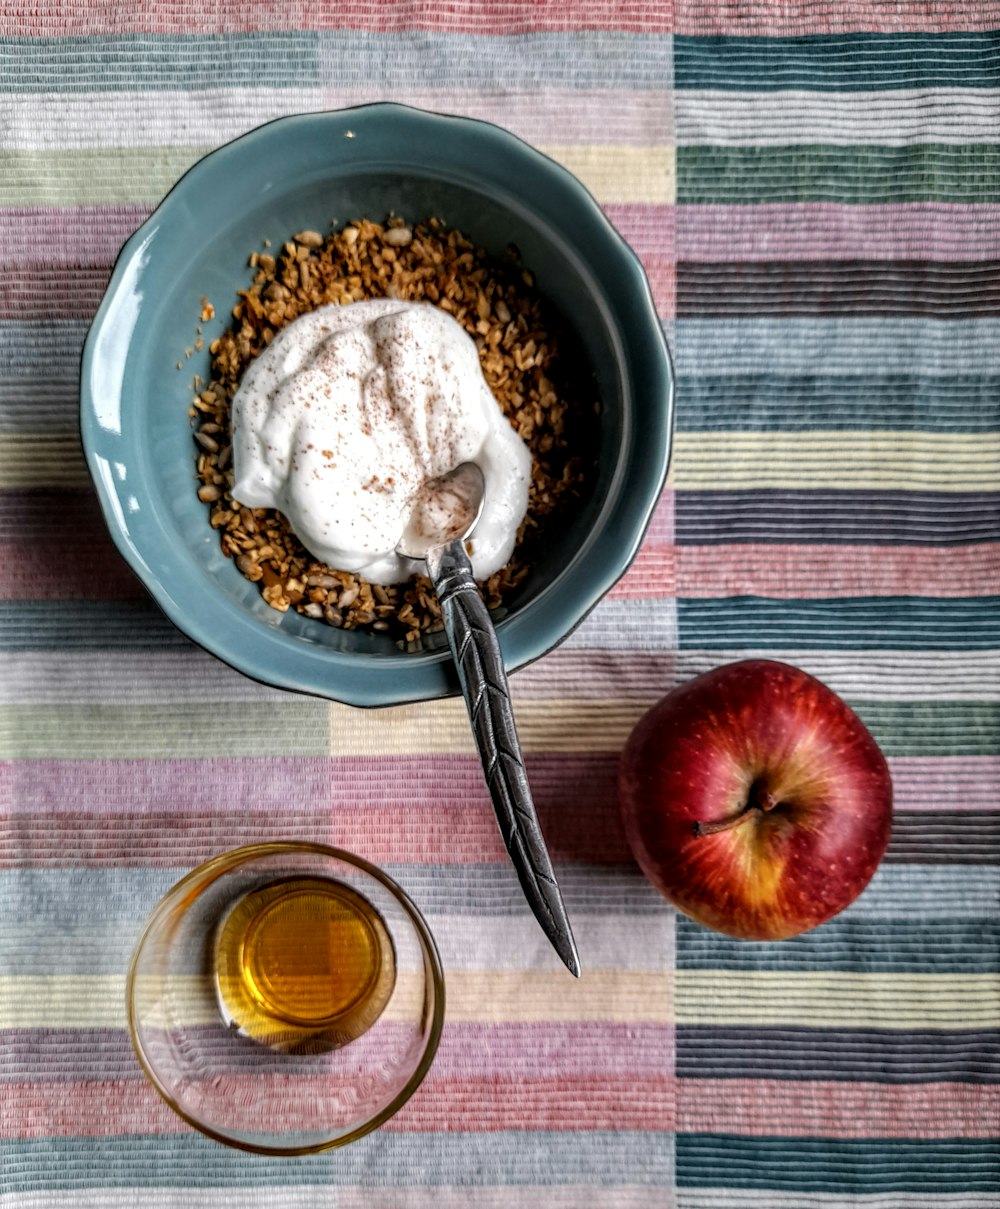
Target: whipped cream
(350,410)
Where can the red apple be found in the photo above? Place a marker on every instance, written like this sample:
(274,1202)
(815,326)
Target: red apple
(755,800)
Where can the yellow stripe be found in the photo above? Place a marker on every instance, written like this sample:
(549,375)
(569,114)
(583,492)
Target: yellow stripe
(442,727)
(905,461)
(615,996)
(494,996)
(832,1000)
(28,460)
(621,174)
(92,176)
(758,998)
(142,175)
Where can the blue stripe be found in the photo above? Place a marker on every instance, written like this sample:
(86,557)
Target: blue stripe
(147,62)
(123,897)
(742,346)
(853,943)
(751,622)
(391,1159)
(589,59)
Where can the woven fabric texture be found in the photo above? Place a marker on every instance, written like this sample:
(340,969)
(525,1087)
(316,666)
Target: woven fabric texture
(814,190)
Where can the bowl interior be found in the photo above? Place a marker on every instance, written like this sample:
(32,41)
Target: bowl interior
(196,246)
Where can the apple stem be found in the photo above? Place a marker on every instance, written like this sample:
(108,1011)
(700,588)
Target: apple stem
(758,799)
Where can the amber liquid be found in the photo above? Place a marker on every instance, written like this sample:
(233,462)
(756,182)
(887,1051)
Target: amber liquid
(303,965)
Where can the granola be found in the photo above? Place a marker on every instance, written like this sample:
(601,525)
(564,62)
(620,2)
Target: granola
(497,304)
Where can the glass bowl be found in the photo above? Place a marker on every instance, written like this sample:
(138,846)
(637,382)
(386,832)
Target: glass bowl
(285,998)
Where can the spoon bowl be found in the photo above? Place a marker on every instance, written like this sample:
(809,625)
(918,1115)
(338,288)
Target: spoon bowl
(445,509)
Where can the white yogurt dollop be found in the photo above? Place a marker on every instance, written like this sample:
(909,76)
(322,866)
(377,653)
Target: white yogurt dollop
(350,409)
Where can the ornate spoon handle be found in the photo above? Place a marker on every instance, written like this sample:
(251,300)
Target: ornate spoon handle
(481,674)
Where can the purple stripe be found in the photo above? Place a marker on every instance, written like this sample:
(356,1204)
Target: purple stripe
(91,787)
(93,235)
(81,235)
(416,809)
(825,231)
(536,1050)
(209,788)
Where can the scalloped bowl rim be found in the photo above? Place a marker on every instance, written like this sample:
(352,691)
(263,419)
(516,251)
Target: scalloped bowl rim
(358,678)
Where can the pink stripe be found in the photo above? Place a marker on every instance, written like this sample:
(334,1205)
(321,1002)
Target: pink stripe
(506,1050)
(80,235)
(967,783)
(808,572)
(764,18)
(825,231)
(418,809)
(770,1108)
(93,234)
(649,229)
(443,16)
(37,564)
(661,524)
(173,814)
(599,1102)
(71,251)
(758,1107)
(53,291)
(593,1102)
(86,570)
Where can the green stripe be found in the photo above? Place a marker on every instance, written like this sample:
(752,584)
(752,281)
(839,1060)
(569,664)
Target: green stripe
(164,732)
(144,62)
(340,58)
(938,728)
(858,944)
(847,1167)
(851,61)
(494,1158)
(886,623)
(932,172)
(813,402)
(92,177)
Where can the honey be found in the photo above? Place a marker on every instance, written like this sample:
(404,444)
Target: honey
(303,965)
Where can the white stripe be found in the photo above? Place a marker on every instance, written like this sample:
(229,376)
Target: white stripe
(46,121)
(193,677)
(549,1196)
(798,117)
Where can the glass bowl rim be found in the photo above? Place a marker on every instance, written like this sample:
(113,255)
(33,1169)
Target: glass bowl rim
(224,862)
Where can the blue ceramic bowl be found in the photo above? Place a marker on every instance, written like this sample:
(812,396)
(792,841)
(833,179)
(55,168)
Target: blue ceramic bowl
(306,172)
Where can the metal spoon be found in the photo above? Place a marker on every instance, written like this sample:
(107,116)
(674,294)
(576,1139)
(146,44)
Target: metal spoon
(445,514)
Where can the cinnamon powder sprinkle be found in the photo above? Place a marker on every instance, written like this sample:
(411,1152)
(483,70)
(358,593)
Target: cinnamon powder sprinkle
(495,302)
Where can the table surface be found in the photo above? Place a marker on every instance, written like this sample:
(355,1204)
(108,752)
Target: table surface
(815,192)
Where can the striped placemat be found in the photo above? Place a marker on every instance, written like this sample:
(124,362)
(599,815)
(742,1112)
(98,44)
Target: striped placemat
(815,192)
